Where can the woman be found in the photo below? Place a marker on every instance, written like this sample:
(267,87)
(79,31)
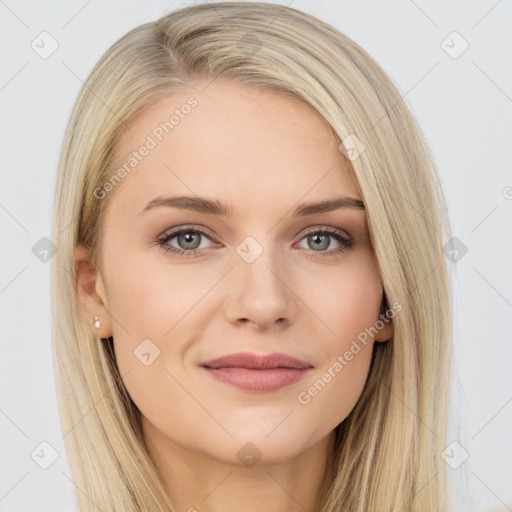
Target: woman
(250,298)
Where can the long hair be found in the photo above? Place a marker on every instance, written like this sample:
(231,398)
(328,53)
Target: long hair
(388,450)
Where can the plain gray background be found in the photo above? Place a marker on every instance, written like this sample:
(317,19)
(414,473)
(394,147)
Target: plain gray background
(463,102)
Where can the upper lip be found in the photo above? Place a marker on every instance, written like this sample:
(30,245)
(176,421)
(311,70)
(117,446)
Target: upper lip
(255,361)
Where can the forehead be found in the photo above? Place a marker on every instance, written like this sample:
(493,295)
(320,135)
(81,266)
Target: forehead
(231,141)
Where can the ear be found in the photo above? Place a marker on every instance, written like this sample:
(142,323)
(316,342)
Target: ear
(386,332)
(91,296)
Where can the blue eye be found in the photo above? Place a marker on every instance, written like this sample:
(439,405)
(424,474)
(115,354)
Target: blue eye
(189,238)
(320,240)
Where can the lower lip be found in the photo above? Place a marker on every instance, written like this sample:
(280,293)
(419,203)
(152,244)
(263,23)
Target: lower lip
(258,380)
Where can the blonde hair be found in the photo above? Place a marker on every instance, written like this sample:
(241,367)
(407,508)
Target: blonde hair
(388,450)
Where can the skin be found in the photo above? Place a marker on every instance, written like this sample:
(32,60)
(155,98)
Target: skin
(263,153)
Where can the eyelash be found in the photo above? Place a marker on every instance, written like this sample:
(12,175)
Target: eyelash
(346,243)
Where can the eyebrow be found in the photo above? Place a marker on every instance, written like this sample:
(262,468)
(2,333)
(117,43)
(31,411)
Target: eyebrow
(215,207)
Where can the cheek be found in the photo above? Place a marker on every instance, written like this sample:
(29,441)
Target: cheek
(347,301)
(149,299)
(336,388)
(155,311)
(348,305)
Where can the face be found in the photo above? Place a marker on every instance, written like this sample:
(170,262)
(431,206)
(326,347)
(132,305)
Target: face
(180,287)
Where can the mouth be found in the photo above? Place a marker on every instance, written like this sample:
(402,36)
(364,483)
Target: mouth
(251,372)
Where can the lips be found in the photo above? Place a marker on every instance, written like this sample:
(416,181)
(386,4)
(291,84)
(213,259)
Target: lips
(251,372)
(257,362)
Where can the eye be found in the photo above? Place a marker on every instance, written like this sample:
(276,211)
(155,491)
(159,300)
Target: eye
(187,237)
(319,240)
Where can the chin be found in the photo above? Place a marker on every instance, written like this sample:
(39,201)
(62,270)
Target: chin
(256,447)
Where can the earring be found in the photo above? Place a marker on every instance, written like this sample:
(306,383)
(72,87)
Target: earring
(97,322)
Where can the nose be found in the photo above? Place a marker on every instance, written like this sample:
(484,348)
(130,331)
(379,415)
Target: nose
(260,292)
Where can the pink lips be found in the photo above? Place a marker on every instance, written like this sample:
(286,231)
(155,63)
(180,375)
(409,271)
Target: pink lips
(251,372)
